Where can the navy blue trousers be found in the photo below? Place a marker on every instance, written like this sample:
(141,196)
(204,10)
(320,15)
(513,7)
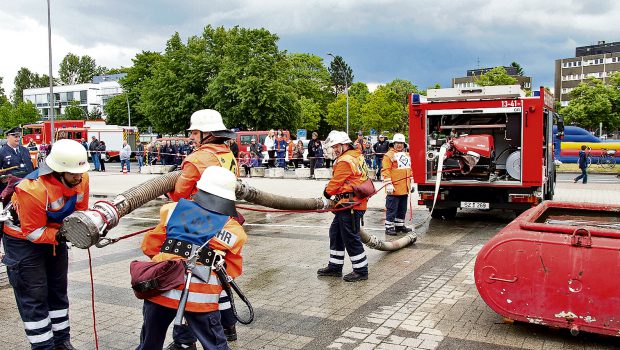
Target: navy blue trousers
(396,210)
(205,325)
(343,234)
(183,334)
(39,280)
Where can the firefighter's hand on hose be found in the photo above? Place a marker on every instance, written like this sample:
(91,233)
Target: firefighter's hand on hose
(60,235)
(389,188)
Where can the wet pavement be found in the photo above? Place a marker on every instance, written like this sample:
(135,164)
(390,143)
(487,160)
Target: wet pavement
(421,297)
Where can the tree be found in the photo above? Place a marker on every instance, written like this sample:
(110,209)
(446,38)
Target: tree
(403,89)
(22,113)
(382,111)
(132,83)
(2,95)
(593,102)
(311,113)
(78,70)
(74,112)
(250,85)
(341,74)
(518,68)
(337,113)
(25,79)
(496,76)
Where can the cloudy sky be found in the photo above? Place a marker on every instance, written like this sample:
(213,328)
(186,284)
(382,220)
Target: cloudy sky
(424,41)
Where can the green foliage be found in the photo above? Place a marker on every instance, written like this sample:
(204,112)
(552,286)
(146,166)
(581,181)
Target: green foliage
(74,112)
(359,91)
(341,74)
(25,79)
(382,111)
(496,76)
(311,113)
(2,94)
(116,110)
(337,113)
(593,102)
(403,89)
(78,70)
(22,113)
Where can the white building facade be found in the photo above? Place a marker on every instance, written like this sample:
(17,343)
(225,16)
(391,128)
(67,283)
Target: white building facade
(91,96)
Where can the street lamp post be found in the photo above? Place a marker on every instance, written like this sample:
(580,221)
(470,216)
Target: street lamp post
(128,110)
(49,40)
(346,88)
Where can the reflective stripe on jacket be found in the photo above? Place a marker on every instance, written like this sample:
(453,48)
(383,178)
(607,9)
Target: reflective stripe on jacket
(203,295)
(350,170)
(396,168)
(41,203)
(194,164)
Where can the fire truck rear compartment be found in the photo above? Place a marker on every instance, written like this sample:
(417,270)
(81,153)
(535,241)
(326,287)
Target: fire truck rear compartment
(501,165)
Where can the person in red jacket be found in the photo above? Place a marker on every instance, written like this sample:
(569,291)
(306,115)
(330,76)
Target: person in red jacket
(208,131)
(36,253)
(349,170)
(396,173)
(183,227)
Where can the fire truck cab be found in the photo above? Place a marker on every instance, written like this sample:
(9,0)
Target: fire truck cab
(492,145)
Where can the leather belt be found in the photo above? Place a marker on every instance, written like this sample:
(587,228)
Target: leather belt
(185,249)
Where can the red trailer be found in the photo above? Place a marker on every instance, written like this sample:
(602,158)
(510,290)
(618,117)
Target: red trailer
(557,265)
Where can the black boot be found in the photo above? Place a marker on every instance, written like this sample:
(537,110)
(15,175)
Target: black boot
(329,271)
(66,345)
(403,229)
(354,277)
(177,346)
(230,333)
(390,231)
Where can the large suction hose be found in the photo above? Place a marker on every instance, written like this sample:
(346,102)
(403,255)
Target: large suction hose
(85,228)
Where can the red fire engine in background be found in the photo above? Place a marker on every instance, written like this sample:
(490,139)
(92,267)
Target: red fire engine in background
(495,145)
(41,132)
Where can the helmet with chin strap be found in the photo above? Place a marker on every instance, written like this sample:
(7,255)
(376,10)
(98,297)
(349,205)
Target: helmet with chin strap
(210,120)
(336,137)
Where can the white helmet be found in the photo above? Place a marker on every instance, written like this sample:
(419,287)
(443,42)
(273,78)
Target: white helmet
(336,137)
(219,182)
(68,156)
(399,138)
(207,120)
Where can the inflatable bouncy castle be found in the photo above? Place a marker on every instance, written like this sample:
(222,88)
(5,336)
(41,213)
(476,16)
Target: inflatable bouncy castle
(567,149)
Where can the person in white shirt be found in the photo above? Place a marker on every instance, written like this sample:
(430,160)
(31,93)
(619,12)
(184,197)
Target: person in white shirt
(125,154)
(269,145)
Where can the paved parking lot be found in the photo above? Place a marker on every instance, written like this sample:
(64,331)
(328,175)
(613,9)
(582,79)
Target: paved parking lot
(421,297)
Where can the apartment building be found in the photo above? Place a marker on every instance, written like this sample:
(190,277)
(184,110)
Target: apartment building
(91,96)
(598,61)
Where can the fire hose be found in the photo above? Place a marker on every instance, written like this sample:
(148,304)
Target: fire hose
(87,228)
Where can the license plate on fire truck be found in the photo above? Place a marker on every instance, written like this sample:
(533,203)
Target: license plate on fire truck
(474,205)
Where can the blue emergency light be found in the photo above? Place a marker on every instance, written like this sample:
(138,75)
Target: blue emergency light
(537,93)
(415,98)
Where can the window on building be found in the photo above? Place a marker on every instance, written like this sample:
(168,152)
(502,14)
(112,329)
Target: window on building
(83,97)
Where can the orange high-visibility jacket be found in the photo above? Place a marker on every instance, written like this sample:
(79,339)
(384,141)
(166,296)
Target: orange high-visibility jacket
(33,199)
(194,164)
(350,170)
(203,296)
(396,168)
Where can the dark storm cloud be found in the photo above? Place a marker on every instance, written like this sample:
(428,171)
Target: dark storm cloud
(425,41)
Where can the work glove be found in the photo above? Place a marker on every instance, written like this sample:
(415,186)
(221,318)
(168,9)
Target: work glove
(389,189)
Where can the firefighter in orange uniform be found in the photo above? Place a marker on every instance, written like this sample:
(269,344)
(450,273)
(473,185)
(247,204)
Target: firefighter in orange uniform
(396,173)
(183,227)
(208,131)
(349,170)
(36,253)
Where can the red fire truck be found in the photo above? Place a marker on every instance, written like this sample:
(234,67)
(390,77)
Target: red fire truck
(495,146)
(64,129)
